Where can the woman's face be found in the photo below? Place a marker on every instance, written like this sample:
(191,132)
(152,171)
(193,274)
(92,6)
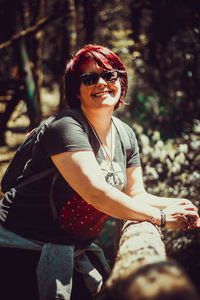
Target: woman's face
(101,94)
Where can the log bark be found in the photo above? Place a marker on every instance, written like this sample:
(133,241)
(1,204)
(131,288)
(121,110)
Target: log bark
(142,270)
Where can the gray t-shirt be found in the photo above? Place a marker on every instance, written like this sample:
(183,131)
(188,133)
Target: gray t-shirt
(26,211)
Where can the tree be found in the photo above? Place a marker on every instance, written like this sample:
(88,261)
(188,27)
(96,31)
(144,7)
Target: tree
(166,38)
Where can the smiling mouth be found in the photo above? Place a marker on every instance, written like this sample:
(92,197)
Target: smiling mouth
(102,93)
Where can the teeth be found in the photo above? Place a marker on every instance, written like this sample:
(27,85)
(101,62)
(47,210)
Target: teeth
(101,94)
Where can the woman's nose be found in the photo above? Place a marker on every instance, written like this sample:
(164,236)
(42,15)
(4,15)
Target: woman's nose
(101,81)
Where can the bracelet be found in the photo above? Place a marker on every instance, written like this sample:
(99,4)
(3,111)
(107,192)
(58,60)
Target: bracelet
(163,218)
(153,220)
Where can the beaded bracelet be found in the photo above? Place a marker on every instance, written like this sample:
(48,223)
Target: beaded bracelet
(153,220)
(163,218)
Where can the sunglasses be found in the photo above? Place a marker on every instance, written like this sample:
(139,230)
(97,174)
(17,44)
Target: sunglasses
(92,78)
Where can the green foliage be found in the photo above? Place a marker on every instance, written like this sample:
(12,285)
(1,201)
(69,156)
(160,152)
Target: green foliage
(159,42)
(165,94)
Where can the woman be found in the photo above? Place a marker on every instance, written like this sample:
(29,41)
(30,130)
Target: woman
(100,178)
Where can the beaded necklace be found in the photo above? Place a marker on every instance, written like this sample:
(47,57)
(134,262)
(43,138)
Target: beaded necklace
(110,157)
(111,175)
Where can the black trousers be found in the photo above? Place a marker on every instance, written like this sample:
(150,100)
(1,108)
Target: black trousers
(18,276)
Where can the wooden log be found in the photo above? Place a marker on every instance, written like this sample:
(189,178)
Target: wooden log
(142,270)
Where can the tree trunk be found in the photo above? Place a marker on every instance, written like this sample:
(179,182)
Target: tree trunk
(26,69)
(141,269)
(38,74)
(69,39)
(89,20)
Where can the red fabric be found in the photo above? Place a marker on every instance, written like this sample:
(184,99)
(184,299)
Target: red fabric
(79,217)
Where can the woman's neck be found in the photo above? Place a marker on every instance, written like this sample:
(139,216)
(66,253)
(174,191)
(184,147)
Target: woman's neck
(100,120)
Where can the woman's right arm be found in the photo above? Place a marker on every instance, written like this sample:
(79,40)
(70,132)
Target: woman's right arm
(81,170)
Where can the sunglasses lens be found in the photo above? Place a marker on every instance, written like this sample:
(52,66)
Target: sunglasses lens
(110,76)
(89,79)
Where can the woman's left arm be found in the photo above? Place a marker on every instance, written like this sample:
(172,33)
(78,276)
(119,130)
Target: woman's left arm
(135,188)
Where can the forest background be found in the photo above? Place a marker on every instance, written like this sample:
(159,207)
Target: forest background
(159,42)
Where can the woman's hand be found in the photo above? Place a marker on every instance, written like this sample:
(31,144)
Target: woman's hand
(198,223)
(183,215)
(183,201)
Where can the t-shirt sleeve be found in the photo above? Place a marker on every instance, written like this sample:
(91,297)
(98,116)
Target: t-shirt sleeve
(133,157)
(64,135)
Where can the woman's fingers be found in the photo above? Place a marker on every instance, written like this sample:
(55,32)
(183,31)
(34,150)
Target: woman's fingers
(187,203)
(198,223)
(190,206)
(188,220)
(182,216)
(187,210)
(185,226)
(182,201)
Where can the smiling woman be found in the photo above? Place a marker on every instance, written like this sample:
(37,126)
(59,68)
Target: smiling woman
(105,60)
(97,174)
(98,87)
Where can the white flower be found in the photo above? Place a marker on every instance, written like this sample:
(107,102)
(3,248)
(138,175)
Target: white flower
(159,145)
(137,128)
(155,154)
(144,140)
(146,150)
(183,177)
(163,155)
(196,127)
(180,158)
(183,193)
(183,148)
(171,150)
(151,171)
(195,145)
(176,167)
(195,175)
(191,155)
(169,163)
(156,135)
(175,192)
(159,168)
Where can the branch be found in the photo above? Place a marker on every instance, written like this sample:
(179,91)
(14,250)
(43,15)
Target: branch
(41,23)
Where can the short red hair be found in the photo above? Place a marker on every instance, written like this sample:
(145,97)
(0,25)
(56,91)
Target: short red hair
(105,58)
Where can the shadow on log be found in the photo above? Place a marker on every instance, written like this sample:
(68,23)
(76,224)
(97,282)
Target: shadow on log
(142,270)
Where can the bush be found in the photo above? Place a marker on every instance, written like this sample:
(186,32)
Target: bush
(171,169)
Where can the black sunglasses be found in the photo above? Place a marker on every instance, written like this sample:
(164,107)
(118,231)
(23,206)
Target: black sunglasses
(92,78)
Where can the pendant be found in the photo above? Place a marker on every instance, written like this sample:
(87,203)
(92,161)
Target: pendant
(113,178)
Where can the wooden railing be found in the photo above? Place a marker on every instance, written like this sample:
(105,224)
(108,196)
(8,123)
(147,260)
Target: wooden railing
(142,270)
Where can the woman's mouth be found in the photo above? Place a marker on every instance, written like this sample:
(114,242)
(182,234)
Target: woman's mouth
(100,94)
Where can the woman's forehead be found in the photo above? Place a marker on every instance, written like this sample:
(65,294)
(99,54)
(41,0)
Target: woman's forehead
(91,65)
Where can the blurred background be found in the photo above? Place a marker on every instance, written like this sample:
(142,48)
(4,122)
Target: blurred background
(159,43)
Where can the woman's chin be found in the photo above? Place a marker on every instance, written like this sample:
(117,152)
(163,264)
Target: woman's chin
(108,101)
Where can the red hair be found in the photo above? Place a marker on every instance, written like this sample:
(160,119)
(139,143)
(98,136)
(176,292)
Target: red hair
(105,58)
